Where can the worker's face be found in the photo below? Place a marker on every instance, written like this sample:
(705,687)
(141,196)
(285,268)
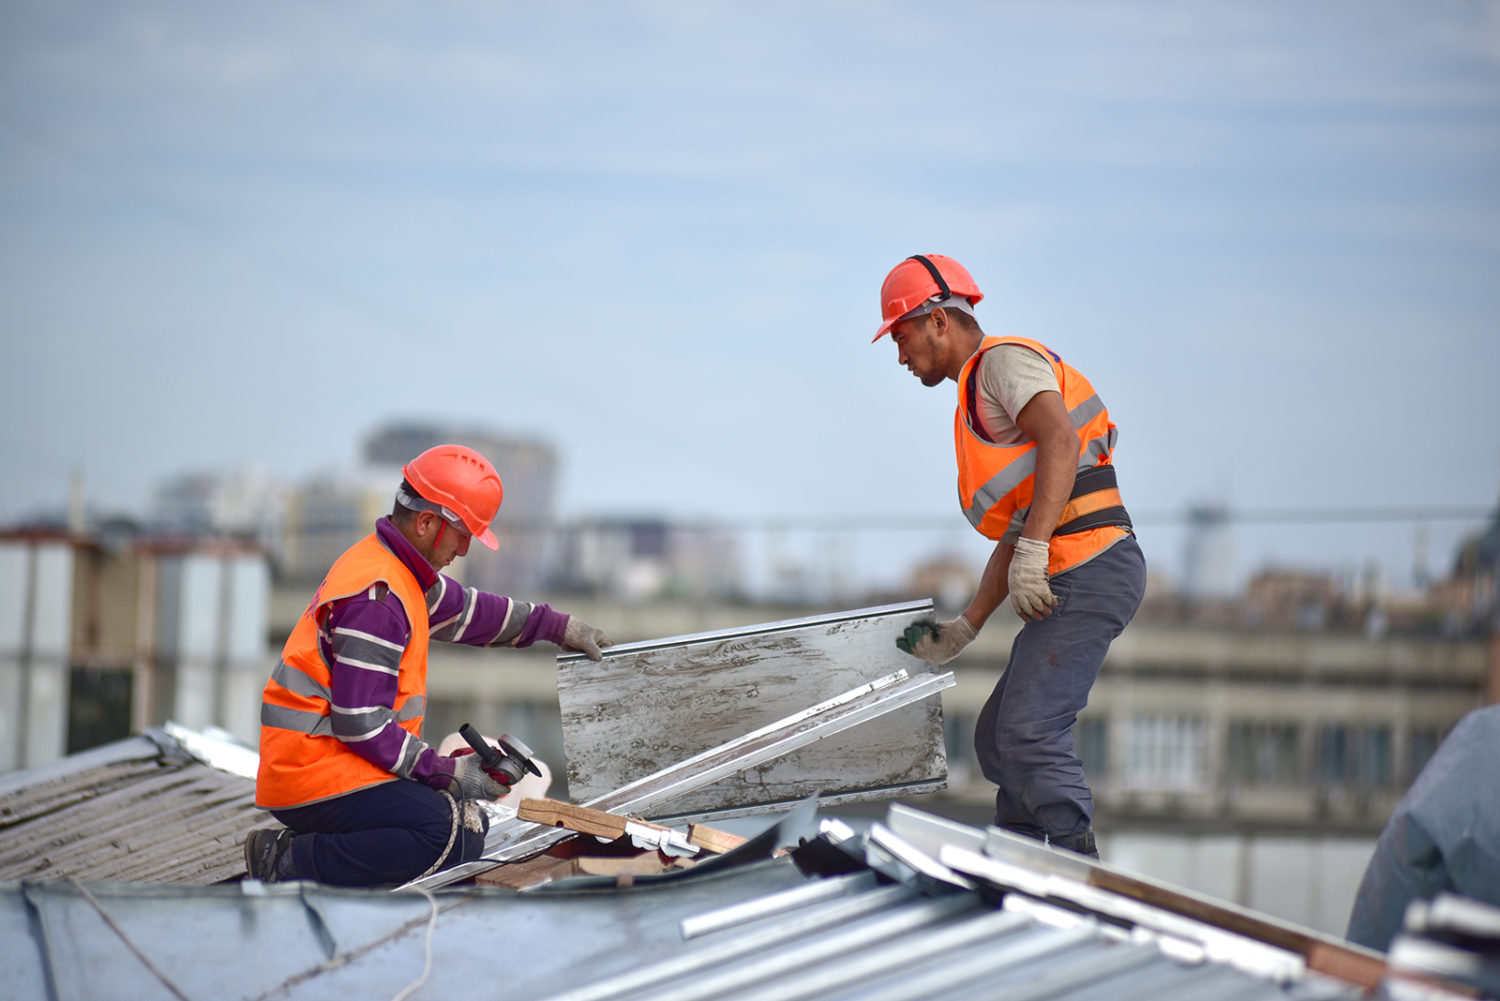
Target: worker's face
(918,349)
(444,541)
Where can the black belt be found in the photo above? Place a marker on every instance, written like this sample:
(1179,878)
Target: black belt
(1094,503)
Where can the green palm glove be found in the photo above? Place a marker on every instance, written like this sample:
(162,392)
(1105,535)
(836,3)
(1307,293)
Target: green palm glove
(937,642)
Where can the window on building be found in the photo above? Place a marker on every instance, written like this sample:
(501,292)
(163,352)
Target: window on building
(1333,755)
(1167,752)
(98,706)
(1376,757)
(1356,757)
(1091,737)
(958,743)
(1263,753)
(1421,743)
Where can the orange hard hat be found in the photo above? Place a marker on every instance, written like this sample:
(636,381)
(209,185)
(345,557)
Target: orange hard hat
(461,481)
(918,279)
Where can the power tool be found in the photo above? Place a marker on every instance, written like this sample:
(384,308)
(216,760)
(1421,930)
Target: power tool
(508,763)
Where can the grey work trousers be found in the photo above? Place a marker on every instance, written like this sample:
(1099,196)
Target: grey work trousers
(1024,734)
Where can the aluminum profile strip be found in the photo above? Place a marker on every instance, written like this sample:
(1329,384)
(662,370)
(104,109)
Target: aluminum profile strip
(872,794)
(217,748)
(930,832)
(878,917)
(814,892)
(519,839)
(1247,954)
(783,625)
(897,848)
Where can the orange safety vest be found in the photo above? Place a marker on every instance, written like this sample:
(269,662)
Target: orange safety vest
(996,482)
(301,761)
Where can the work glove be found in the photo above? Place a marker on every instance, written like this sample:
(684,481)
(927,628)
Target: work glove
(937,642)
(472,781)
(1029,594)
(583,638)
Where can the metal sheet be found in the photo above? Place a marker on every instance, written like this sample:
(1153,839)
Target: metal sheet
(647,705)
(652,794)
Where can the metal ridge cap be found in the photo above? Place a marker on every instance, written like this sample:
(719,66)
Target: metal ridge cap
(761,629)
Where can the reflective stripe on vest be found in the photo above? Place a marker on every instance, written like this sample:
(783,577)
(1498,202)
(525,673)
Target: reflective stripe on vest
(301,761)
(320,725)
(996,482)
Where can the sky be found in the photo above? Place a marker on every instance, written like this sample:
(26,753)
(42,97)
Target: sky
(653,235)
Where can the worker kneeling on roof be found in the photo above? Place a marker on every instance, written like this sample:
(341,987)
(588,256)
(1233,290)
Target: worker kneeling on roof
(342,762)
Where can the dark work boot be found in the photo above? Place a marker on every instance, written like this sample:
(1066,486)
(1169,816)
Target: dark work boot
(263,850)
(1082,843)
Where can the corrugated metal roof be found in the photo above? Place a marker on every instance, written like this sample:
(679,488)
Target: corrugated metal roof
(138,810)
(865,940)
(915,907)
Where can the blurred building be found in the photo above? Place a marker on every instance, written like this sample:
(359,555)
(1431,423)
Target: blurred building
(1292,599)
(325,516)
(528,470)
(247,504)
(1208,553)
(104,635)
(641,558)
(948,578)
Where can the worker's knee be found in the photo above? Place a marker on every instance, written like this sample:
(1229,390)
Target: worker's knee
(450,831)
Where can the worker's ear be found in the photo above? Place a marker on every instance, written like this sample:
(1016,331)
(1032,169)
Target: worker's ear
(940,324)
(424,523)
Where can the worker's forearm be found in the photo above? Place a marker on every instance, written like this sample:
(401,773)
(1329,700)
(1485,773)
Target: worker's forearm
(461,614)
(993,586)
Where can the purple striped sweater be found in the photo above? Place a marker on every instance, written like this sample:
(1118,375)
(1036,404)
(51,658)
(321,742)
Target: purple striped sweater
(364,636)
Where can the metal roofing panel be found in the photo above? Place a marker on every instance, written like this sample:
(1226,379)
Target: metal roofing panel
(648,705)
(762,931)
(301,940)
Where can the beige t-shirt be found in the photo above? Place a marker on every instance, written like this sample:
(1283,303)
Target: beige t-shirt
(1009,376)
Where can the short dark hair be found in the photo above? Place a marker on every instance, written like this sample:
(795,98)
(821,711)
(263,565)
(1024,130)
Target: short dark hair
(963,320)
(400,513)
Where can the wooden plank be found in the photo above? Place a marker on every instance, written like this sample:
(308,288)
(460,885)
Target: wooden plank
(600,824)
(555,813)
(649,705)
(648,863)
(713,840)
(530,872)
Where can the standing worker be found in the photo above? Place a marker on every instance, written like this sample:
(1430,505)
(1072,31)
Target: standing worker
(342,762)
(1034,445)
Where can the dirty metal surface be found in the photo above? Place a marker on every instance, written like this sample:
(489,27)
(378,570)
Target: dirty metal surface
(648,705)
(510,839)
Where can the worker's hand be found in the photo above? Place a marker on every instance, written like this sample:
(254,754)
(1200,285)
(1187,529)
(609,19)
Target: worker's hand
(937,642)
(1030,595)
(472,781)
(583,638)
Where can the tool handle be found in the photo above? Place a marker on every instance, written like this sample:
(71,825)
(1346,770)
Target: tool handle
(487,754)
